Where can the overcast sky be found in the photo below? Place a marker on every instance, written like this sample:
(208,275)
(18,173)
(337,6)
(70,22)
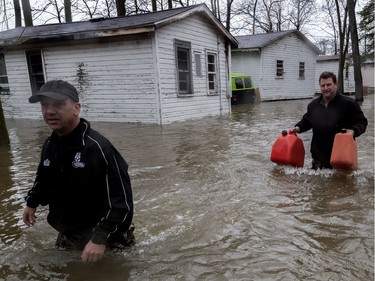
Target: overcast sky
(315,30)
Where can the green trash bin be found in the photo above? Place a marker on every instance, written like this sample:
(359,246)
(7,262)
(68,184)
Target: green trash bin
(243,90)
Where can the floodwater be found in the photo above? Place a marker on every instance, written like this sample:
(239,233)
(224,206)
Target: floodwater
(209,204)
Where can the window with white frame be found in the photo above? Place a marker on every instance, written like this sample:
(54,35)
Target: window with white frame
(279,69)
(35,66)
(183,65)
(4,86)
(212,73)
(301,72)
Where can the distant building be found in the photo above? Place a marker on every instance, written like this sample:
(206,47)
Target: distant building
(368,75)
(331,63)
(281,64)
(159,67)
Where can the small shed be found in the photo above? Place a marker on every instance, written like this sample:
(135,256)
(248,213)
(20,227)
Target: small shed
(368,76)
(331,63)
(159,67)
(281,64)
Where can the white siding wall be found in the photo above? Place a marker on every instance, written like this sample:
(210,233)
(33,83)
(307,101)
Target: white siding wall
(333,66)
(368,75)
(247,63)
(120,81)
(203,38)
(116,80)
(291,50)
(16,104)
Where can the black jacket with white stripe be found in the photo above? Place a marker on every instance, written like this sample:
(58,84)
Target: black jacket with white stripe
(85,182)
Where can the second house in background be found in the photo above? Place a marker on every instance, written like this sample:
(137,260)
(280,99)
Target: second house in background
(281,64)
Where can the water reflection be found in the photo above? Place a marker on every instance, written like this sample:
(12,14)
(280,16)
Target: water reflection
(209,205)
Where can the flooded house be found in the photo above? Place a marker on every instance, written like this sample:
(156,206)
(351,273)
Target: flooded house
(331,63)
(281,64)
(368,76)
(159,67)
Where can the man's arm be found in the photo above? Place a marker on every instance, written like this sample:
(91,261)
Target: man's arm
(118,201)
(93,252)
(29,217)
(359,121)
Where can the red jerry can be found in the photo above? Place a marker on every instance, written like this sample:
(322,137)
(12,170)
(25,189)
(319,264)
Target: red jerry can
(344,154)
(288,149)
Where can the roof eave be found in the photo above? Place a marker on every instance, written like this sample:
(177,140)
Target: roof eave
(199,9)
(86,35)
(248,50)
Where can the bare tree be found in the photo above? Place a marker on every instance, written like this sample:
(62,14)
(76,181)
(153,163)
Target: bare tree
(27,13)
(329,9)
(342,20)
(247,10)
(68,10)
(301,12)
(278,11)
(50,10)
(215,8)
(327,46)
(355,51)
(264,15)
(120,6)
(367,27)
(229,15)
(90,7)
(17,12)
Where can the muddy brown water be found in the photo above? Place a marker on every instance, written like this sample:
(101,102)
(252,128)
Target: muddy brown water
(209,204)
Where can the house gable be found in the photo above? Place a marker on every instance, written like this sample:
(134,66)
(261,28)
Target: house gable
(128,73)
(331,63)
(200,33)
(289,51)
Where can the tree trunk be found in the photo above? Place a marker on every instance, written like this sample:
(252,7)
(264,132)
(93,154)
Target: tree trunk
(120,7)
(355,50)
(343,47)
(254,19)
(340,73)
(154,7)
(4,137)
(68,10)
(27,13)
(17,13)
(229,14)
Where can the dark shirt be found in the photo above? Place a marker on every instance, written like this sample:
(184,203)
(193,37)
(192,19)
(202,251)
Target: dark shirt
(341,112)
(85,182)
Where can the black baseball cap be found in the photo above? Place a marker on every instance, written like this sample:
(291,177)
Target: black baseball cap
(57,90)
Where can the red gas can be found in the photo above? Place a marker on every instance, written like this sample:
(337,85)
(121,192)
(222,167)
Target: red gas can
(288,149)
(344,152)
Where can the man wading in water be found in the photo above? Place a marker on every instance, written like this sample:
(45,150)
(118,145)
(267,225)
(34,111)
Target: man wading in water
(327,115)
(82,177)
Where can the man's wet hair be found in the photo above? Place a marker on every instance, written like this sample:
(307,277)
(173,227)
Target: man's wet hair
(328,74)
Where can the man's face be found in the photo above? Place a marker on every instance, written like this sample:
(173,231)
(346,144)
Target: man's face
(328,88)
(61,116)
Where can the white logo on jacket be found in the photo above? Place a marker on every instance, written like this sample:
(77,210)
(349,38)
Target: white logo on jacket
(46,163)
(77,161)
